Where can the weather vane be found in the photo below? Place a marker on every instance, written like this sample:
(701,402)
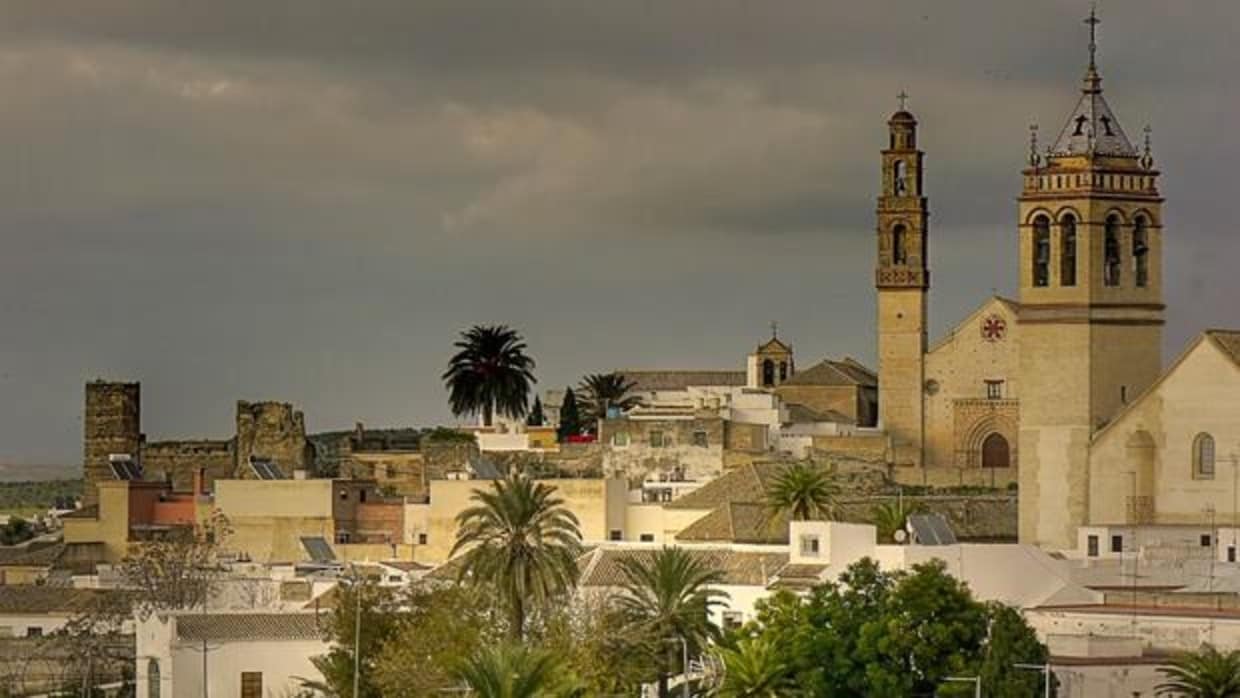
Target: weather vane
(903,97)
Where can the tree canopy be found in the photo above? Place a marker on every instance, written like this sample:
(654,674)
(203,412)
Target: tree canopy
(490,374)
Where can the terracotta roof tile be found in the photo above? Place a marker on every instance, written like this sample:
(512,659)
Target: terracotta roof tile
(50,600)
(737,522)
(249,626)
(601,568)
(648,381)
(831,372)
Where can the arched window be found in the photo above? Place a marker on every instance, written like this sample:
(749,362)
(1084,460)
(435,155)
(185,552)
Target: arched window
(899,182)
(899,241)
(1110,251)
(1141,252)
(768,373)
(995,452)
(1203,457)
(1067,250)
(152,678)
(783,371)
(1041,251)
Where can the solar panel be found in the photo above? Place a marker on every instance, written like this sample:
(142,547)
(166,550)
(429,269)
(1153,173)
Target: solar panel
(318,549)
(266,470)
(125,470)
(931,529)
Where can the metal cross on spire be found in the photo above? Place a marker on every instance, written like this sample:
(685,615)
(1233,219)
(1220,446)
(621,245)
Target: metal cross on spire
(903,97)
(1093,23)
(774,330)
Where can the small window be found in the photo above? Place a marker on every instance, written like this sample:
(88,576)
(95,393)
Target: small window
(1123,395)
(699,439)
(1067,251)
(900,178)
(783,371)
(1203,457)
(1231,553)
(620,438)
(899,244)
(1092,546)
(361,495)
(994,390)
(251,684)
(34,631)
(344,495)
(1041,251)
(657,439)
(1206,540)
(1117,544)
(342,537)
(809,546)
(647,538)
(389,472)
(768,373)
(394,578)
(421,539)
(615,534)
(1110,245)
(1141,252)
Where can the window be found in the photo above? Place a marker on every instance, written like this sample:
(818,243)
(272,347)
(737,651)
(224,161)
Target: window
(732,620)
(620,438)
(1141,252)
(1041,251)
(699,439)
(344,495)
(647,537)
(342,537)
(421,539)
(1117,544)
(783,371)
(994,390)
(1091,544)
(1123,395)
(657,440)
(1110,250)
(768,373)
(34,631)
(1231,553)
(152,678)
(809,546)
(1205,540)
(1203,457)
(251,684)
(361,495)
(615,534)
(899,239)
(899,182)
(389,472)
(1067,251)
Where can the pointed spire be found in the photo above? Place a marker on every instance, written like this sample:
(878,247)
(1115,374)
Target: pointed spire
(1093,81)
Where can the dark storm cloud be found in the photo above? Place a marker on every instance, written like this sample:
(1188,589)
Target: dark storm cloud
(305,200)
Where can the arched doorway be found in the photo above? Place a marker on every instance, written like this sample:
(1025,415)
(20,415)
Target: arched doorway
(995,452)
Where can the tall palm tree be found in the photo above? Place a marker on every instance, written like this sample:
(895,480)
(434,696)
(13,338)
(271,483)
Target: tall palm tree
(600,391)
(803,493)
(516,671)
(667,597)
(753,669)
(1206,673)
(521,539)
(489,374)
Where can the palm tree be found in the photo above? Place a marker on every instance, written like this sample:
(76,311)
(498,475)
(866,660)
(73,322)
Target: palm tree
(891,517)
(753,669)
(522,540)
(489,374)
(600,391)
(802,492)
(1206,673)
(667,597)
(515,671)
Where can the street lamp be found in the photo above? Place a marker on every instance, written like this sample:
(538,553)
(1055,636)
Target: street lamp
(975,680)
(1046,672)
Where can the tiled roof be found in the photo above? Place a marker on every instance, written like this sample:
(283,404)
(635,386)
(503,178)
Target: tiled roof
(1228,341)
(35,556)
(798,576)
(601,567)
(648,381)
(737,522)
(773,345)
(249,626)
(48,599)
(831,372)
(744,484)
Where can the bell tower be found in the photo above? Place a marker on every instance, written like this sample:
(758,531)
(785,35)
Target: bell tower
(902,280)
(1091,304)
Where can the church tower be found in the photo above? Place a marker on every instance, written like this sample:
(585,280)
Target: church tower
(902,280)
(1091,305)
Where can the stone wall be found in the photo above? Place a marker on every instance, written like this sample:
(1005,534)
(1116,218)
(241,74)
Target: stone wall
(179,460)
(111,424)
(273,431)
(637,448)
(977,518)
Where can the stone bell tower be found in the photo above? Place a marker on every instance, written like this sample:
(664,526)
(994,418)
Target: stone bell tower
(1091,304)
(903,281)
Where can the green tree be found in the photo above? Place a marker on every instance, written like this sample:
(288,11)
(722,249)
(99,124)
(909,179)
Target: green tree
(490,374)
(598,644)
(891,517)
(536,417)
(439,624)
(1206,673)
(179,571)
(667,597)
(803,492)
(599,391)
(517,671)
(380,622)
(570,416)
(754,668)
(1010,640)
(16,530)
(520,538)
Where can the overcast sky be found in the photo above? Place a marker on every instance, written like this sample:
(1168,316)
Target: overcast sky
(306,200)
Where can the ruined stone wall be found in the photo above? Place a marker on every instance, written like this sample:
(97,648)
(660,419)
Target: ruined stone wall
(271,430)
(111,424)
(179,460)
(638,448)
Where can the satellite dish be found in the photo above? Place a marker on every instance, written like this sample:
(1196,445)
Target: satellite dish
(900,535)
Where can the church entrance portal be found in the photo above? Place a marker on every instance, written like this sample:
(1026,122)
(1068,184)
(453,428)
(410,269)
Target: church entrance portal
(995,452)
